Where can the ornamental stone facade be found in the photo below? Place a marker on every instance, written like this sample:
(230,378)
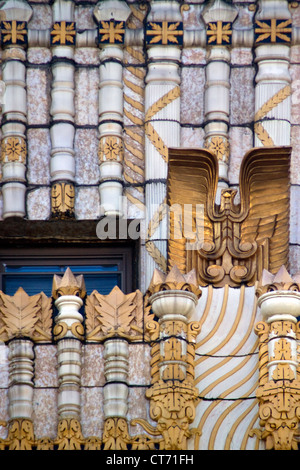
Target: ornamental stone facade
(158,139)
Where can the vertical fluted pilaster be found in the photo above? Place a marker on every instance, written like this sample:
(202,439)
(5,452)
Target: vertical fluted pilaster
(164,38)
(273,30)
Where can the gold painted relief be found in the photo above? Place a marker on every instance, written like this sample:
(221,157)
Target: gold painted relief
(62,200)
(219,146)
(115,314)
(273,31)
(234,241)
(14,33)
(22,316)
(110,148)
(13,149)
(173,394)
(219,32)
(279,385)
(63,33)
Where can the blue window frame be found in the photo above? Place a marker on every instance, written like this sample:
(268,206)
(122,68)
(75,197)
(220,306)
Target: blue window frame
(33,270)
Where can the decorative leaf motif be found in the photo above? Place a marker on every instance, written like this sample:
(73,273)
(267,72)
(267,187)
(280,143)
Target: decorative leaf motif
(114,314)
(24,315)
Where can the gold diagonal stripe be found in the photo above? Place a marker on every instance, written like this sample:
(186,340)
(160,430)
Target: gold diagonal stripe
(163,102)
(263,135)
(156,255)
(158,216)
(155,139)
(133,118)
(280,96)
(134,151)
(135,136)
(135,104)
(136,88)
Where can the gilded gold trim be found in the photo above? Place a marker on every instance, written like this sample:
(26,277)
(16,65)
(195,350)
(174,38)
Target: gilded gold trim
(239,240)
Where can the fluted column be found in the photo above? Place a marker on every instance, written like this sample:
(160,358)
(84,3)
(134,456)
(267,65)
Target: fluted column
(273,31)
(62,132)
(14,147)
(164,39)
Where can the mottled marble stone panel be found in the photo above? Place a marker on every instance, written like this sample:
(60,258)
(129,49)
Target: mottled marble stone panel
(38,204)
(192,137)
(295,14)
(193,56)
(241,140)
(295,157)
(3,365)
(45,370)
(87,203)
(4,416)
(41,18)
(192,95)
(38,95)
(295,98)
(38,158)
(241,56)
(295,215)
(139,364)
(294,259)
(92,365)
(84,17)
(86,155)
(39,55)
(86,96)
(87,55)
(1,205)
(242,99)
(138,407)
(45,412)
(92,416)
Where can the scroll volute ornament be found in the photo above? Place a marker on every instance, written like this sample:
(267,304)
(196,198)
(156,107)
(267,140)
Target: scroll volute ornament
(236,240)
(173,395)
(279,385)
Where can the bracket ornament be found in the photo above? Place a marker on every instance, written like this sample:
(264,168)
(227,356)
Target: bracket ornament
(279,385)
(172,394)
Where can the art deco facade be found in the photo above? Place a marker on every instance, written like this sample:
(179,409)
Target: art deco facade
(149,240)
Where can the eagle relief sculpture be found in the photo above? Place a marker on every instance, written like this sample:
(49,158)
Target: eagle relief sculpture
(238,238)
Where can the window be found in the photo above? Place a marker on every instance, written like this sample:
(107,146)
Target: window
(103,267)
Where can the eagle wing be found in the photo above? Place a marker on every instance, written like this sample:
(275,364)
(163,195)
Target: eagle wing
(192,180)
(264,190)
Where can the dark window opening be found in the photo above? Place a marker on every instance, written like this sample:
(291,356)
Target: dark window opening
(103,267)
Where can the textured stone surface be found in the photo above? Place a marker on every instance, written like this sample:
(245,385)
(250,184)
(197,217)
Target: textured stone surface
(38,95)
(38,159)
(86,156)
(45,368)
(38,204)
(45,412)
(242,95)
(86,96)
(240,140)
(192,95)
(87,203)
